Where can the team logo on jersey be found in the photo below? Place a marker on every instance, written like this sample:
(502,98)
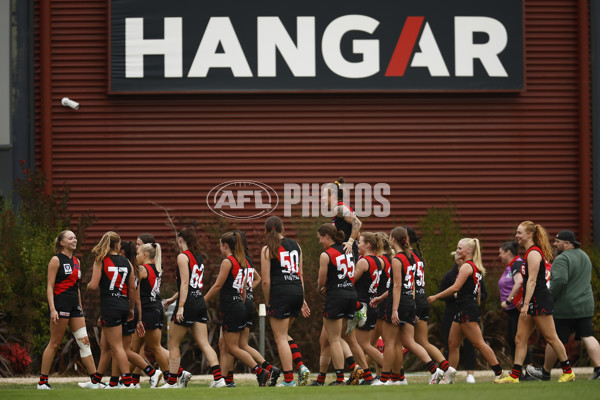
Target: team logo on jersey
(242,199)
(68,269)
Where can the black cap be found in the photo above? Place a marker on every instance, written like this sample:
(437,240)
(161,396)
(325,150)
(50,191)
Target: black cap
(568,236)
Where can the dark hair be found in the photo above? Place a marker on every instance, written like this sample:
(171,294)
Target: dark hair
(513,247)
(128,248)
(147,238)
(401,236)
(188,235)
(414,239)
(236,244)
(336,235)
(273,228)
(340,191)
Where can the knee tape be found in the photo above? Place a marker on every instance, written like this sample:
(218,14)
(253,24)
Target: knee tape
(84,349)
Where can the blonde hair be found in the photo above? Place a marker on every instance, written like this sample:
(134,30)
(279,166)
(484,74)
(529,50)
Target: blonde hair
(540,238)
(374,241)
(154,252)
(57,246)
(473,244)
(385,242)
(105,245)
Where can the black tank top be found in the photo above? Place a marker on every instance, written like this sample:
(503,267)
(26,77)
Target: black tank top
(232,290)
(115,275)
(366,286)
(340,270)
(150,286)
(67,276)
(469,292)
(540,279)
(195,272)
(285,269)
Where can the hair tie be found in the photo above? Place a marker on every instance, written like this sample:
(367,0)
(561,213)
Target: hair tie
(153,245)
(337,183)
(403,241)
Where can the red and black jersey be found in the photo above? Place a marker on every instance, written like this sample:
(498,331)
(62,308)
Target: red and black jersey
(115,275)
(470,290)
(419,275)
(232,290)
(67,276)
(195,273)
(249,279)
(340,270)
(384,275)
(408,273)
(540,279)
(366,286)
(285,269)
(150,286)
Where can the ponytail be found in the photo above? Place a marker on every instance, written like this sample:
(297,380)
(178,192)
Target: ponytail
(191,240)
(155,253)
(400,235)
(236,246)
(273,228)
(385,244)
(374,241)
(540,238)
(57,246)
(336,235)
(476,253)
(107,243)
(513,247)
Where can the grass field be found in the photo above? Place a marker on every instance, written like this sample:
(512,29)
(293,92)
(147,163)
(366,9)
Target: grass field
(416,390)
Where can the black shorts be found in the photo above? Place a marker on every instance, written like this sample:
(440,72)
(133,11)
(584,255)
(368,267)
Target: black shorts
(67,307)
(285,302)
(250,312)
(340,304)
(381,309)
(541,303)
(371,319)
(234,316)
(129,327)
(467,313)
(194,310)
(581,326)
(114,312)
(153,316)
(407,310)
(422,307)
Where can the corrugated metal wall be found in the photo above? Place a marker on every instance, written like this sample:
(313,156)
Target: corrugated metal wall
(501,158)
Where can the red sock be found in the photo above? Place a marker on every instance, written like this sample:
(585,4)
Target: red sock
(566,367)
(339,375)
(267,366)
(444,365)
(229,378)
(367,375)
(257,369)
(215,370)
(321,377)
(516,371)
(296,356)
(288,376)
(126,378)
(179,371)
(394,377)
(385,376)
(43,379)
(431,366)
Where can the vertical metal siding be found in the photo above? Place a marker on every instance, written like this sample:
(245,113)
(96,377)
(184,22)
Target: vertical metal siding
(501,158)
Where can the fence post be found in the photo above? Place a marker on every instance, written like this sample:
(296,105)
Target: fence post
(262,313)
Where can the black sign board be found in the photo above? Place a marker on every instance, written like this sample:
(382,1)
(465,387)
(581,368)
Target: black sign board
(315,46)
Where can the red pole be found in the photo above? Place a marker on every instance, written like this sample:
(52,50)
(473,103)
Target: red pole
(46,92)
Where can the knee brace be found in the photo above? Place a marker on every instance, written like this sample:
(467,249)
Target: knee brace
(84,349)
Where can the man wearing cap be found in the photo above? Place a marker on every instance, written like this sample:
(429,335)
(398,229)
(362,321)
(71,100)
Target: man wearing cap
(571,290)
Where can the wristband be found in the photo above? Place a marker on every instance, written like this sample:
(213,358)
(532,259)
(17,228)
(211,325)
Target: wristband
(351,240)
